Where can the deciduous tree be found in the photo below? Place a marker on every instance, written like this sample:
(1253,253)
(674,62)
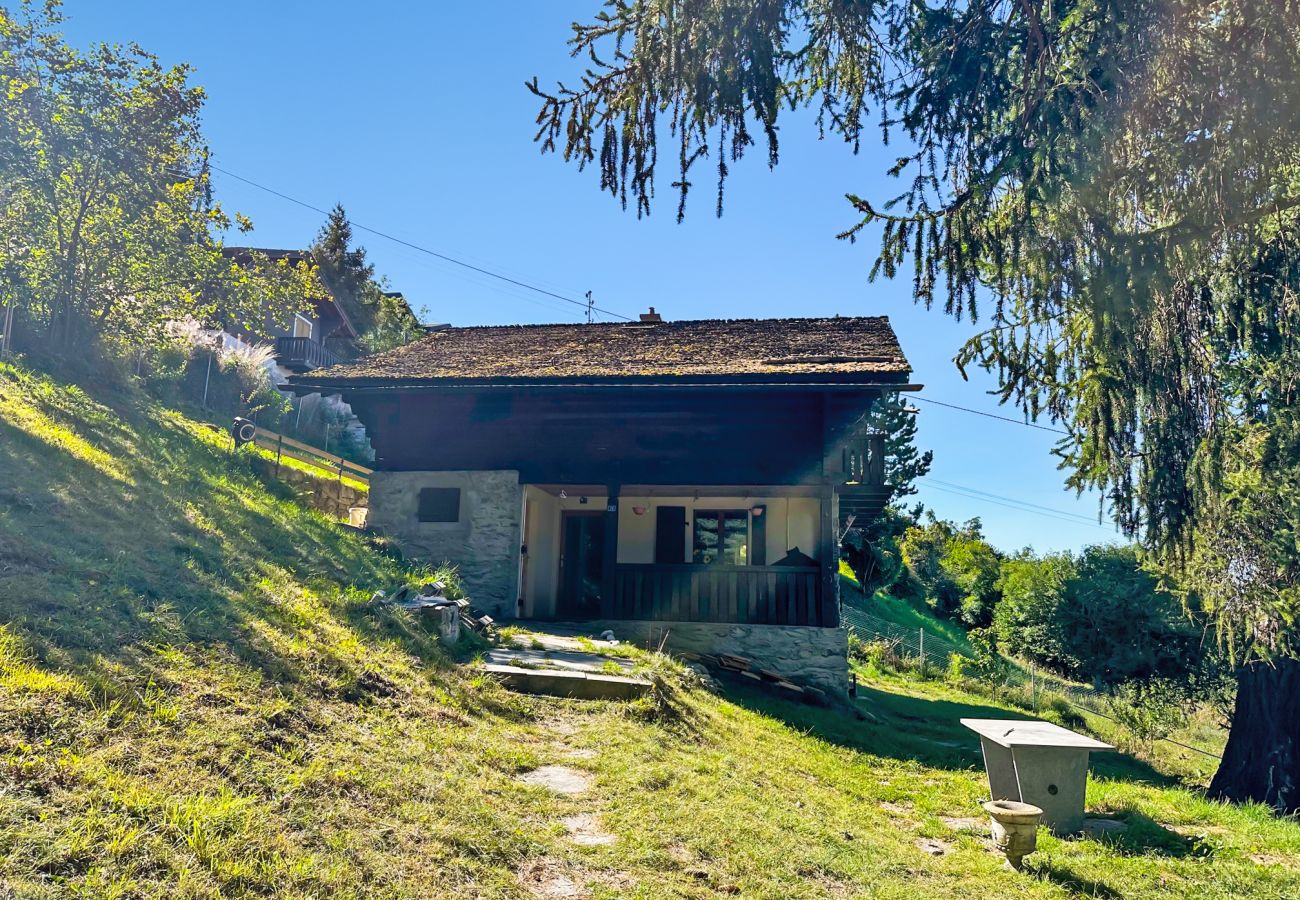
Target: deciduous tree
(108,228)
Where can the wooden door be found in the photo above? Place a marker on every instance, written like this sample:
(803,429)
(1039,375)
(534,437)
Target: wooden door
(582,558)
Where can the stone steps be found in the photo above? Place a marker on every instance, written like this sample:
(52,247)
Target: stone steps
(568,683)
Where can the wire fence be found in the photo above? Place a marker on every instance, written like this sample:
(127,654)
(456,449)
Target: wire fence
(920,644)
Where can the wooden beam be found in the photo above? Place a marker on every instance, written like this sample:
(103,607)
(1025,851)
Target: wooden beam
(610,559)
(828,559)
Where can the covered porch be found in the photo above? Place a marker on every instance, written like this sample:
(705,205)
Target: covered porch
(760,555)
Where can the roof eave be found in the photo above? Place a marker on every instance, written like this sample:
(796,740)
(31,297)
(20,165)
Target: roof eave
(898,381)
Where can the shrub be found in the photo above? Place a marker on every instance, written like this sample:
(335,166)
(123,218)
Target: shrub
(956,669)
(1150,710)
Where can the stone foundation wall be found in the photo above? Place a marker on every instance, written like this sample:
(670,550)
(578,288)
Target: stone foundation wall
(329,495)
(803,655)
(483,544)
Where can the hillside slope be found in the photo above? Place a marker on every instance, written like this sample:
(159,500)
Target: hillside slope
(196,700)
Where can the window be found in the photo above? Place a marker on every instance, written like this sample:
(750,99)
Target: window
(301,326)
(722,537)
(439,505)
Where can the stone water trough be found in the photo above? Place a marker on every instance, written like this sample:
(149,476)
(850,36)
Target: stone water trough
(1038,763)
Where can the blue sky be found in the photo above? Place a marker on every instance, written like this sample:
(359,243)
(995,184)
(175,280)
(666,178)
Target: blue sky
(415,117)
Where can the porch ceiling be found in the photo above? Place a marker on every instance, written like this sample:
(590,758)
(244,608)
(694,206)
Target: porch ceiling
(685,490)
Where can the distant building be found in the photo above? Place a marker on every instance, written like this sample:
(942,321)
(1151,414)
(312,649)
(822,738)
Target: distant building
(304,340)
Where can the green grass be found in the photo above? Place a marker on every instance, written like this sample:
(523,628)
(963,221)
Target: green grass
(197,700)
(899,611)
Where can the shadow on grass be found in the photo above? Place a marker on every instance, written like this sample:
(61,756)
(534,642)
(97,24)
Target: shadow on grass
(1145,836)
(1076,885)
(923,729)
(123,533)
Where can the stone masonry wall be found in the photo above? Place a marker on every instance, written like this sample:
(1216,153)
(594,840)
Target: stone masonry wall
(803,655)
(483,544)
(329,495)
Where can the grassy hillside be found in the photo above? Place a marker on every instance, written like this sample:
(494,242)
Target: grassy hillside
(899,611)
(196,700)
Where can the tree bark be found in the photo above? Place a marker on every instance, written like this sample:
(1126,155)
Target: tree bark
(1262,759)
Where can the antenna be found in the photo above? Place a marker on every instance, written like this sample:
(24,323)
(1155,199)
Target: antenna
(591,306)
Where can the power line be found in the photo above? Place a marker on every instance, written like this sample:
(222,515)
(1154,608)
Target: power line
(991,496)
(1059,515)
(980,412)
(434,253)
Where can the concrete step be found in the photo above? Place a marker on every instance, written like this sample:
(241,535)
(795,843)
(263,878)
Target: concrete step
(576,660)
(568,683)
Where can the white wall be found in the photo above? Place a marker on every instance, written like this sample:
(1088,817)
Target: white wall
(791,522)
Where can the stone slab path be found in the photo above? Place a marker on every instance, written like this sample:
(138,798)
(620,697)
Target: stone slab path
(560,779)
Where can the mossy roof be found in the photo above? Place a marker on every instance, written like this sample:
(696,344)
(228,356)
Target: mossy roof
(857,349)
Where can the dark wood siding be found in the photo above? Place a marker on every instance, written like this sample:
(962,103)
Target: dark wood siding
(626,436)
(756,595)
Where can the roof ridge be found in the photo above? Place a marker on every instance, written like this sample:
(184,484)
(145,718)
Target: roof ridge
(667,322)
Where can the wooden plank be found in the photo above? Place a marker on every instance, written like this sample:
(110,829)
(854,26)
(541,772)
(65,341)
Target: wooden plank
(276,438)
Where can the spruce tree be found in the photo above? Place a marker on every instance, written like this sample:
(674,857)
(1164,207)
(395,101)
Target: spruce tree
(904,460)
(1115,184)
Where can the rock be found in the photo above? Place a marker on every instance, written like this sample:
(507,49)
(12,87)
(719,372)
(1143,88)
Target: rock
(560,779)
(1096,826)
(585,831)
(933,846)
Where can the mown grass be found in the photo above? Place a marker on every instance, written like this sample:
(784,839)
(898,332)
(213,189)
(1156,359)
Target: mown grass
(197,700)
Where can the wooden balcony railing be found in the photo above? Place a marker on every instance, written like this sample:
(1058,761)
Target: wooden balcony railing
(864,460)
(304,354)
(759,595)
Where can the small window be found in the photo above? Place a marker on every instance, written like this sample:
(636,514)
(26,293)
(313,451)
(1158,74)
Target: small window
(439,505)
(722,537)
(301,326)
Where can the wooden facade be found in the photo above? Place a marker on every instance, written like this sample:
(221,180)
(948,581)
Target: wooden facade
(600,440)
(644,414)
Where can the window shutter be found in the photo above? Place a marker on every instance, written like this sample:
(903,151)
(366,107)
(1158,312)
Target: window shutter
(758,536)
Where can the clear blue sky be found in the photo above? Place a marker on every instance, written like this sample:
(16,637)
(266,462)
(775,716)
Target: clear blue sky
(415,117)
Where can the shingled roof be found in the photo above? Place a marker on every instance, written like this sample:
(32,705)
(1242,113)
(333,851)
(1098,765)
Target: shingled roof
(861,349)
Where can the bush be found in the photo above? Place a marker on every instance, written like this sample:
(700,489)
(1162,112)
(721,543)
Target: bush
(1149,711)
(956,669)
(1100,617)
(955,568)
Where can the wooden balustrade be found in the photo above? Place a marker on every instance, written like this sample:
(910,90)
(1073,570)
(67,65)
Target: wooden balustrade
(757,595)
(304,354)
(864,460)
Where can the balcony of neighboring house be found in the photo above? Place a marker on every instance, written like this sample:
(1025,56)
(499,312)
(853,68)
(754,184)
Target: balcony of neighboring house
(301,351)
(302,354)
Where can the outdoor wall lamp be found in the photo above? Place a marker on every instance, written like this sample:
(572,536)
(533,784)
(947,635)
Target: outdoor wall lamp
(756,510)
(638,510)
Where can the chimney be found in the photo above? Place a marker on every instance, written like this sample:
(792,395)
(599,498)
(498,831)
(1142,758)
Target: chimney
(651,316)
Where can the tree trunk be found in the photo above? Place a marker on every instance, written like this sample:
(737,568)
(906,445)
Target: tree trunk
(1262,759)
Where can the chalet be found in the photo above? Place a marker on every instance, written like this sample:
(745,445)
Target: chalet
(687,478)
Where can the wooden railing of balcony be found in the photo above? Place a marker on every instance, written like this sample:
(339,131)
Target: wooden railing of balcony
(864,460)
(758,595)
(304,353)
